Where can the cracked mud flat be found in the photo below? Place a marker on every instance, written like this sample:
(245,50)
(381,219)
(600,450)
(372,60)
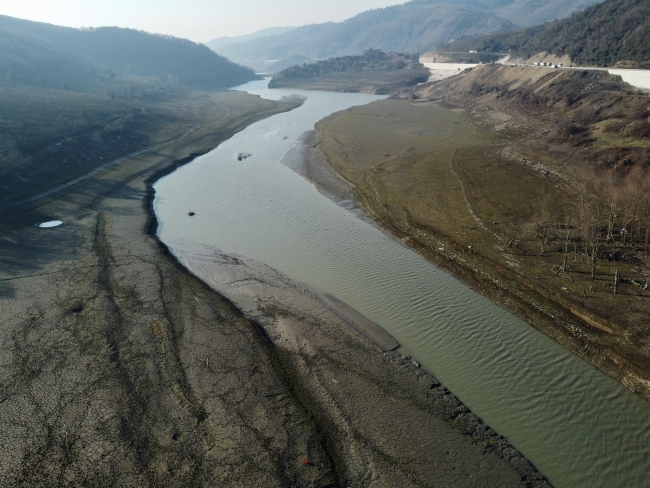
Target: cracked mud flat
(119,368)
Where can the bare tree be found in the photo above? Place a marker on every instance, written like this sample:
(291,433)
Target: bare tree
(566,234)
(592,240)
(587,211)
(608,198)
(542,224)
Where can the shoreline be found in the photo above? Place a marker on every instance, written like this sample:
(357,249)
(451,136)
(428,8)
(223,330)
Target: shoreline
(160,379)
(535,305)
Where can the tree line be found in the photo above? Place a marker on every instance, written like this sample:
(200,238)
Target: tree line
(602,35)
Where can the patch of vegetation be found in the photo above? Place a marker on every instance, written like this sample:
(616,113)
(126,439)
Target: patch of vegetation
(520,192)
(31,118)
(352,344)
(388,459)
(374,68)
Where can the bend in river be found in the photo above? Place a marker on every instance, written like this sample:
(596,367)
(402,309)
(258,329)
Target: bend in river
(576,425)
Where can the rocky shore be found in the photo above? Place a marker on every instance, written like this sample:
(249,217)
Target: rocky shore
(119,368)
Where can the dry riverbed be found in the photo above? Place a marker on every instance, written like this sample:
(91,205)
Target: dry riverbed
(119,368)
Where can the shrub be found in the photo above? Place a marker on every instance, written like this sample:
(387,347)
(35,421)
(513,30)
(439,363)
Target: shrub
(640,129)
(639,114)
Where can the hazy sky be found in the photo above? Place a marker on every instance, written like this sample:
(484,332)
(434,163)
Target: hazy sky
(198,20)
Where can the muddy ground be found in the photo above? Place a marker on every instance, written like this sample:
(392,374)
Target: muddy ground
(119,368)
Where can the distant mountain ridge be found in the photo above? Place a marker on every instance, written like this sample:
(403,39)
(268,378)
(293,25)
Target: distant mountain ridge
(414,27)
(39,54)
(615,32)
(219,42)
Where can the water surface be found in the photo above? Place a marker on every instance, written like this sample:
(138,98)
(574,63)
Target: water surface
(579,427)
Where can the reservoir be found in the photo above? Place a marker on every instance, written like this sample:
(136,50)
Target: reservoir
(579,427)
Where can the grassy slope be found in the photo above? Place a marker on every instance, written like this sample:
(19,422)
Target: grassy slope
(462,184)
(49,137)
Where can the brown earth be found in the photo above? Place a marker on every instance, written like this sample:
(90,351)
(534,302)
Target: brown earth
(119,368)
(459,169)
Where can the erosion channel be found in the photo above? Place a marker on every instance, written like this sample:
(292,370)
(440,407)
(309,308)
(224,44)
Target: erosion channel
(575,424)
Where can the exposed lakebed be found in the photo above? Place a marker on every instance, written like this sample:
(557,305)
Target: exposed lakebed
(575,424)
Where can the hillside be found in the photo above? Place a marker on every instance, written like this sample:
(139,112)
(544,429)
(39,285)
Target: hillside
(413,27)
(374,71)
(616,32)
(73,100)
(44,55)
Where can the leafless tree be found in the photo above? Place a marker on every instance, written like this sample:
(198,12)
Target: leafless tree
(587,210)
(566,234)
(608,199)
(542,222)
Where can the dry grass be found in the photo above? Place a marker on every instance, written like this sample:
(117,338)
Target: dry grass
(455,192)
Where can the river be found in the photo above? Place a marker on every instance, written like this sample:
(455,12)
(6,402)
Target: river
(579,427)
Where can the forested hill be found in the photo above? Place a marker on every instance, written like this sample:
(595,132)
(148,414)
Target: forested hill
(373,71)
(370,60)
(616,32)
(38,54)
(414,27)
